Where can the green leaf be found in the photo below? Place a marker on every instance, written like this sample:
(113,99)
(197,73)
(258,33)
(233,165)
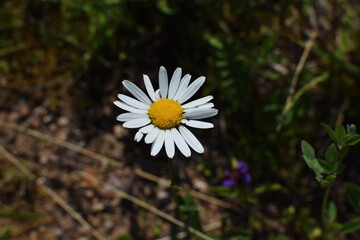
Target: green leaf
(350,226)
(279,237)
(351,129)
(325,166)
(124,237)
(12,49)
(353,195)
(310,85)
(287,214)
(19,215)
(307,149)
(190,212)
(225,191)
(325,181)
(340,167)
(267,45)
(214,41)
(189,208)
(176,187)
(340,134)
(163,5)
(352,140)
(332,156)
(330,178)
(310,159)
(235,233)
(331,213)
(329,131)
(267,187)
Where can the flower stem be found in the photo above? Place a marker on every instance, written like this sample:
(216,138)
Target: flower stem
(324,209)
(172,181)
(174,192)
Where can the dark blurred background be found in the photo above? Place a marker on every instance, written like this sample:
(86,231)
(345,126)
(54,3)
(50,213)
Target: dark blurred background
(62,63)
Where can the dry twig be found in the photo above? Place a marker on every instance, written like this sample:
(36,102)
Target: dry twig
(22,168)
(294,80)
(105,160)
(146,206)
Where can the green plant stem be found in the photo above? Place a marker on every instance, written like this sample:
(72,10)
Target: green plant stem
(174,191)
(172,181)
(324,209)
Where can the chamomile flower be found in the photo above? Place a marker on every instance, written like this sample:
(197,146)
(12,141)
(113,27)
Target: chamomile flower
(163,115)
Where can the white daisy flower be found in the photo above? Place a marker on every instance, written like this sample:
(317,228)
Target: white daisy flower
(162,115)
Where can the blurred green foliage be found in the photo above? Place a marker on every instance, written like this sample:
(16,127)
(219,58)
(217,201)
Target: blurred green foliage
(5,233)
(247,49)
(326,172)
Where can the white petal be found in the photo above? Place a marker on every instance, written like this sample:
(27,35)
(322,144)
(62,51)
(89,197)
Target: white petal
(149,87)
(191,139)
(138,136)
(157,145)
(152,135)
(183,85)
(128,108)
(204,106)
(136,123)
(136,92)
(180,143)
(163,82)
(146,129)
(157,95)
(174,83)
(192,89)
(169,144)
(197,102)
(197,124)
(133,102)
(130,116)
(200,114)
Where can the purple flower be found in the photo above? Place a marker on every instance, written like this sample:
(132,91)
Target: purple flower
(238,176)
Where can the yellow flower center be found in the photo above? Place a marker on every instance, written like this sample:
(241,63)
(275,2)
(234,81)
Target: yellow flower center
(165,113)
